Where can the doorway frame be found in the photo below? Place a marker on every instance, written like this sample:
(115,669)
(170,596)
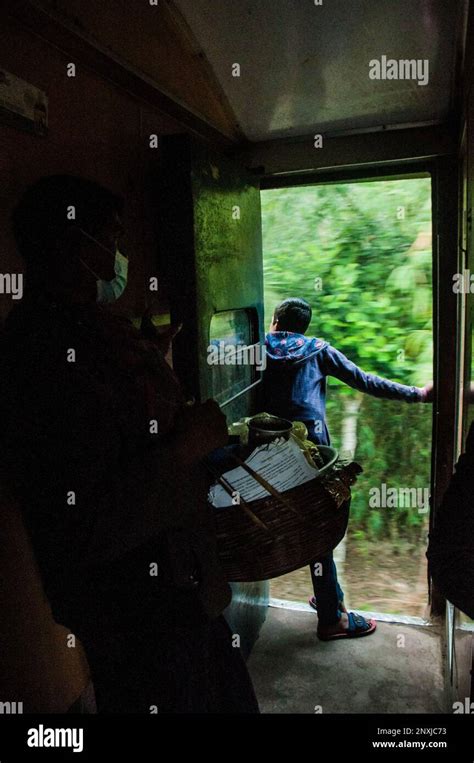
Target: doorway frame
(444,172)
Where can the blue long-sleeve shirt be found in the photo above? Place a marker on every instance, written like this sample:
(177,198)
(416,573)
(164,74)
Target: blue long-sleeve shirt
(294,382)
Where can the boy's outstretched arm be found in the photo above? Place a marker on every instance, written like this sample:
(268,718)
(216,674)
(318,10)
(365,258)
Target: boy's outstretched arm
(336,364)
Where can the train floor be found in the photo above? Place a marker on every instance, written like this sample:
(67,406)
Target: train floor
(398,669)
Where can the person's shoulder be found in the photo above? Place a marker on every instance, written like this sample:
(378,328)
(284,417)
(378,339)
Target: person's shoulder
(315,350)
(328,355)
(316,344)
(320,343)
(329,348)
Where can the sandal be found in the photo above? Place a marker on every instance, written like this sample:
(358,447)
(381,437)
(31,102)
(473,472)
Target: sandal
(358,626)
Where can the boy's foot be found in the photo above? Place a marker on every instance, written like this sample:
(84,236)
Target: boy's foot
(351,625)
(312,603)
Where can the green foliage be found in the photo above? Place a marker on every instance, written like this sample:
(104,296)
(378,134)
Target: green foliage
(394,445)
(369,244)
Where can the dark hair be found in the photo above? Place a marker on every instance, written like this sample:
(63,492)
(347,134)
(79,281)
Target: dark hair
(40,217)
(293,314)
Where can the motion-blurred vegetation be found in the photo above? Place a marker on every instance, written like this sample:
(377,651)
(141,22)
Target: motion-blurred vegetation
(360,253)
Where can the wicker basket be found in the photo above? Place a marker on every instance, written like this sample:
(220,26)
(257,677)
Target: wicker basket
(283,532)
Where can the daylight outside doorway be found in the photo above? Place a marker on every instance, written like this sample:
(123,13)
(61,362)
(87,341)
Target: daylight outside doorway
(360,253)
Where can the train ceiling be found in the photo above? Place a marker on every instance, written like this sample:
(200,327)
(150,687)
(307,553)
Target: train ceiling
(306,67)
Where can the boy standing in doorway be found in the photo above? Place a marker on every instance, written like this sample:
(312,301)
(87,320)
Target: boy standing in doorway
(295,388)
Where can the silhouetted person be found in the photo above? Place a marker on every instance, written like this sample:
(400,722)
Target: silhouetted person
(451,544)
(104,456)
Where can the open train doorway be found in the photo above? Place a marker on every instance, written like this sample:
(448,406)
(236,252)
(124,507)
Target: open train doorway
(361,254)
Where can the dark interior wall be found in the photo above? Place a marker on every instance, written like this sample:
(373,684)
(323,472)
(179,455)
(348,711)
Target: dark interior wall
(220,266)
(156,41)
(461,681)
(467,222)
(218,257)
(96,130)
(99,131)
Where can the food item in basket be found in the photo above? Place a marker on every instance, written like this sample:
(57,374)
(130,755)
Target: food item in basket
(299,430)
(240,429)
(299,433)
(315,454)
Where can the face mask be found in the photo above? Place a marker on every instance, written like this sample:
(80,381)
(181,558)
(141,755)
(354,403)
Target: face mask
(110,291)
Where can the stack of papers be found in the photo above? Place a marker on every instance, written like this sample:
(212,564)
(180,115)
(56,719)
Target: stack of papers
(281,463)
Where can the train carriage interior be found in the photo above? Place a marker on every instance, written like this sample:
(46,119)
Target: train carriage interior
(208,117)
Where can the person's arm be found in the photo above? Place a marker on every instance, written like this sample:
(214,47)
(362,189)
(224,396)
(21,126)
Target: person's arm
(102,493)
(152,492)
(336,364)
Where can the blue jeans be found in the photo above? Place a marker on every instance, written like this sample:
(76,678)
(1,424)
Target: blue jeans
(326,588)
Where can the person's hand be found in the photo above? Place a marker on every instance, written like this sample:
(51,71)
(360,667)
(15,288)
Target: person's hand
(200,429)
(161,338)
(427,392)
(164,338)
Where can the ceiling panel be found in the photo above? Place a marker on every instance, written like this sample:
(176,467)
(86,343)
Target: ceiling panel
(305,67)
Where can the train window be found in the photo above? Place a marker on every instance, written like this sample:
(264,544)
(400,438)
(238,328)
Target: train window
(234,354)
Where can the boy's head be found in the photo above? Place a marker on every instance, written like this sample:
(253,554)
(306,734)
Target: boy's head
(293,314)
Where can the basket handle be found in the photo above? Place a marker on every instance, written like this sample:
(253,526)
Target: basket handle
(231,491)
(268,487)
